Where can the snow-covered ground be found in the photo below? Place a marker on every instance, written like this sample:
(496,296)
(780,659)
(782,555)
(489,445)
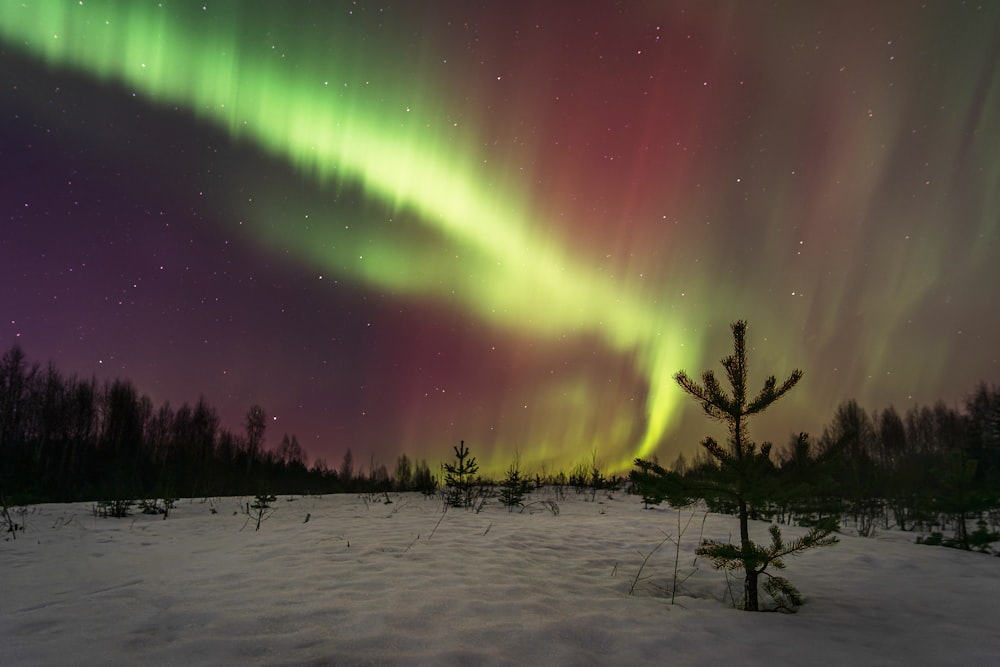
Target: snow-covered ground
(365,583)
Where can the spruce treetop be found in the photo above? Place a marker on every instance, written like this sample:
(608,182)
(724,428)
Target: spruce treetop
(731,410)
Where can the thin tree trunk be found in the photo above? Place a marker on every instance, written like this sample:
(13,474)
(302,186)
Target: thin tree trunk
(962,532)
(749,566)
(750,590)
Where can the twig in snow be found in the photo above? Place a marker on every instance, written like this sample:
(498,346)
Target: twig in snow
(443,512)
(631,589)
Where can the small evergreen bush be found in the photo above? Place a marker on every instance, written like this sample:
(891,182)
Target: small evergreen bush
(459,478)
(118,508)
(155,507)
(260,509)
(514,488)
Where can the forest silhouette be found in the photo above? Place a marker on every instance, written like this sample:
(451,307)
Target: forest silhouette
(65,439)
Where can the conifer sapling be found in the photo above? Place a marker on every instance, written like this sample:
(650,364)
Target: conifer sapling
(744,476)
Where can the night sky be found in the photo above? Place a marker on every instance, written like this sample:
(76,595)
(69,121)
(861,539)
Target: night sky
(399,225)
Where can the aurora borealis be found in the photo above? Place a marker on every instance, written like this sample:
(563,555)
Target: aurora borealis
(400,225)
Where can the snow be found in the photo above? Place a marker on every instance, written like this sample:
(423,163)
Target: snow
(367,583)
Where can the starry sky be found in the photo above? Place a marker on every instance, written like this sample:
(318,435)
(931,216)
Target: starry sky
(397,225)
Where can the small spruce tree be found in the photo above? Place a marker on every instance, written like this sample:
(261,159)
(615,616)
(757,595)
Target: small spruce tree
(459,477)
(744,476)
(514,487)
(260,509)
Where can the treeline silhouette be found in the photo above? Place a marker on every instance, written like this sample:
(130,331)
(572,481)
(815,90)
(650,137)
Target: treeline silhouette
(933,468)
(65,439)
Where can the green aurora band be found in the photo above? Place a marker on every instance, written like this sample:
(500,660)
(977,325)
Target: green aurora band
(511,275)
